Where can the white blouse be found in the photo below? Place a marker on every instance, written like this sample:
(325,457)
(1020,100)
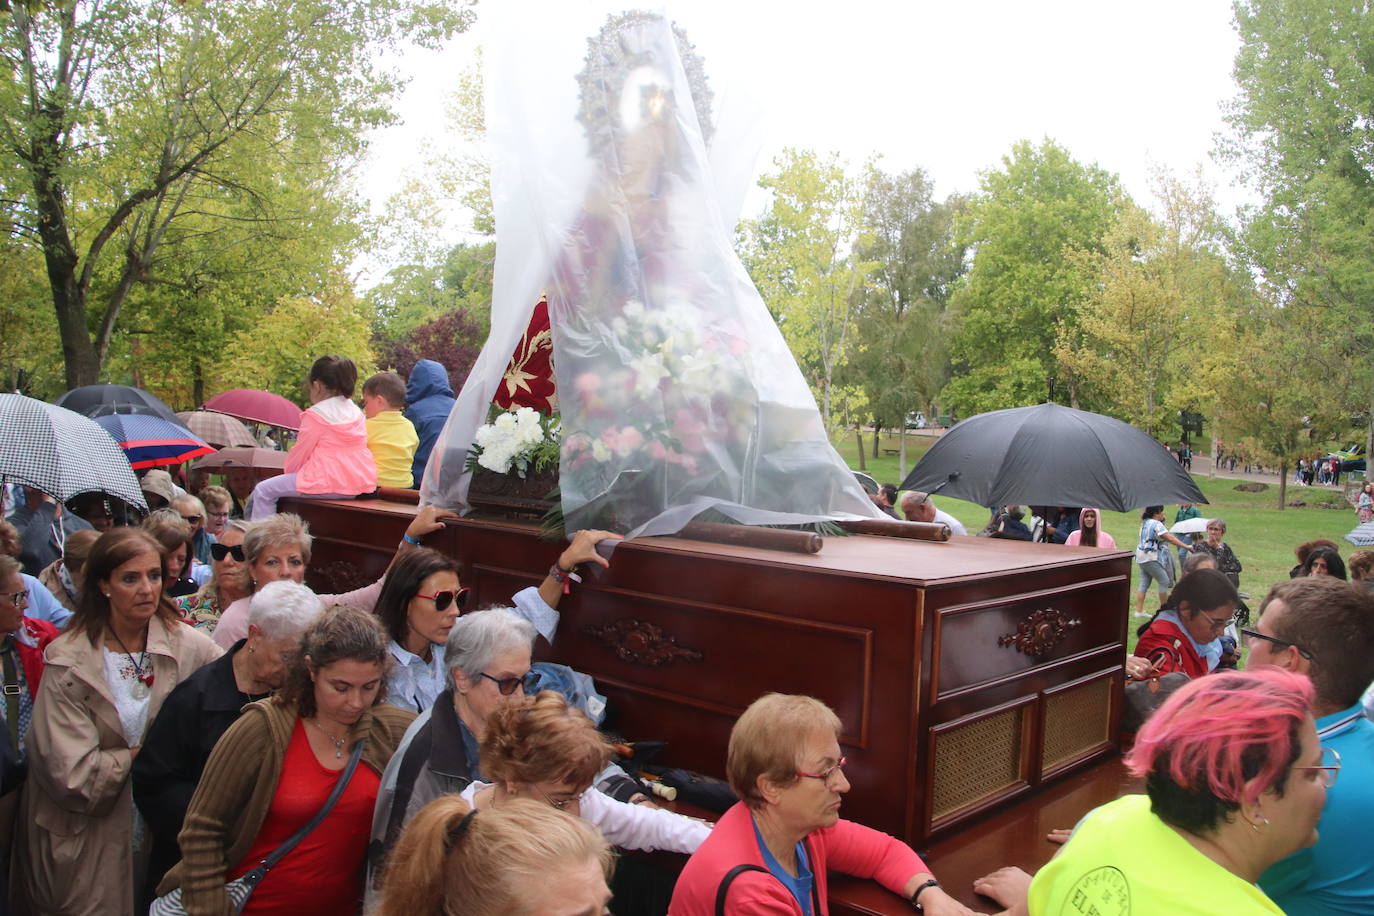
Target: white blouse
(628,826)
(122,677)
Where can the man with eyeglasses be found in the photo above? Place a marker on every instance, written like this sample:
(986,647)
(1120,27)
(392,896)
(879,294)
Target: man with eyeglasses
(1324,628)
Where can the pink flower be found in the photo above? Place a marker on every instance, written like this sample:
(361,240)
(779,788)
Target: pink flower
(587,383)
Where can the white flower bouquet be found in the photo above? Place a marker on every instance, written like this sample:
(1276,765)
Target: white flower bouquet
(517,440)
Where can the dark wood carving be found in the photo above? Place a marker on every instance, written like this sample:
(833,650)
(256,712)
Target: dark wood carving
(512,495)
(1040,632)
(341,576)
(641,643)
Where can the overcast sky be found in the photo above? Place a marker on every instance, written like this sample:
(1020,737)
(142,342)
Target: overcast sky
(948,86)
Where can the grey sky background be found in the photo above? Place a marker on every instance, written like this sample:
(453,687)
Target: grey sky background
(946,86)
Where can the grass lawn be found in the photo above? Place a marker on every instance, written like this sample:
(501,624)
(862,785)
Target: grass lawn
(1262,536)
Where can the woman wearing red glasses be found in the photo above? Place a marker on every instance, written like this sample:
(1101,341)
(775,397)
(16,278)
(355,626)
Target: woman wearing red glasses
(418,606)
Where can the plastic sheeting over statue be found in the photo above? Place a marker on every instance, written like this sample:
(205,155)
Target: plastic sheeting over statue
(677,391)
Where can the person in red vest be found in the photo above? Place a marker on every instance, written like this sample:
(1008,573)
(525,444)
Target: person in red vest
(1185,634)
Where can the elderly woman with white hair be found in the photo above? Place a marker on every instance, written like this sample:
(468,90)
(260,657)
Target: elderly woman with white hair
(487,655)
(202,708)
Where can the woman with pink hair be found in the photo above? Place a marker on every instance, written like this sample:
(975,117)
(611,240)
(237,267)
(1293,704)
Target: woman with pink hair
(1235,780)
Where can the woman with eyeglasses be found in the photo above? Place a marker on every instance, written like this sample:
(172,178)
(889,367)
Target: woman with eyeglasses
(1185,634)
(1235,780)
(542,749)
(276,766)
(784,763)
(1221,551)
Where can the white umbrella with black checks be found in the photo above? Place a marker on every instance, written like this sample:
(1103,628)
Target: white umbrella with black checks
(61,452)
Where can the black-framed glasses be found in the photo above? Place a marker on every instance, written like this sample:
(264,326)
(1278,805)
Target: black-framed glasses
(220,551)
(1281,643)
(562,804)
(1328,769)
(444,597)
(508,685)
(18,598)
(827,774)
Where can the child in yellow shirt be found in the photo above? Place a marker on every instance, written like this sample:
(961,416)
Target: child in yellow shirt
(390,436)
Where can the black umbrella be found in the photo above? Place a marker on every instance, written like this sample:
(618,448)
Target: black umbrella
(1052,456)
(103,400)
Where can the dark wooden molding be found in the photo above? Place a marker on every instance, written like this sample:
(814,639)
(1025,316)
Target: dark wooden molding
(641,643)
(1040,632)
(341,576)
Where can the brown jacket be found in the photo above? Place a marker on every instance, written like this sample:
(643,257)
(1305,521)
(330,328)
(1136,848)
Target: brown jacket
(74,852)
(236,790)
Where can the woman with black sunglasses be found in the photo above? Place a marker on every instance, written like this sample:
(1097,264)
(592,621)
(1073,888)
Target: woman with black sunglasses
(228,583)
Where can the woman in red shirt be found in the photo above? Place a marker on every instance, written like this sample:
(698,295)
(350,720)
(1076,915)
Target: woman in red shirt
(275,767)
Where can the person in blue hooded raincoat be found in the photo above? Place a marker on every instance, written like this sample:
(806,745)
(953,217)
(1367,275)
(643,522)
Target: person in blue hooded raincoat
(429,399)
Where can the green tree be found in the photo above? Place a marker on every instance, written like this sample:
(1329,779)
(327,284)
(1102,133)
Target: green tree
(121,120)
(1260,388)
(1021,295)
(1302,132)
(1159,287)
(903,319)
(802,256)
(275,353)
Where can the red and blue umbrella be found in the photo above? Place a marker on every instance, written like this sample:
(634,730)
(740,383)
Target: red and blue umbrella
(152,442)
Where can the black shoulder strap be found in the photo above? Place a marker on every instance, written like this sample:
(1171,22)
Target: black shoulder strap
(416,756)
(339,785)
(729,879)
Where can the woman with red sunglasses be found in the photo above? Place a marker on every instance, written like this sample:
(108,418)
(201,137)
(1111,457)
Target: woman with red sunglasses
(418,606)
(422,597)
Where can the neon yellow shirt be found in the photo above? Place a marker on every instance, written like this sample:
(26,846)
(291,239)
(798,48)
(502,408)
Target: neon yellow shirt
(1124,861)
(392,440)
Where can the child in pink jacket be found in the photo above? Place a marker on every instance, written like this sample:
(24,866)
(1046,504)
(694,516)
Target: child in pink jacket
(330,459)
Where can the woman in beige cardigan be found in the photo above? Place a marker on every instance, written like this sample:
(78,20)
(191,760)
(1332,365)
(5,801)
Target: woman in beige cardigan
(274,768)
(106,677)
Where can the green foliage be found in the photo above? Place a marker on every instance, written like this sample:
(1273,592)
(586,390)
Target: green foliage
(802,256)
(1022,293)
(275,353)
(138,133)
(1161,287)
(1302,132)
(903,322)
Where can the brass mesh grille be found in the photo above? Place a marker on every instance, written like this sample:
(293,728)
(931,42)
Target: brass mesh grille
(975,761)
(1075,721)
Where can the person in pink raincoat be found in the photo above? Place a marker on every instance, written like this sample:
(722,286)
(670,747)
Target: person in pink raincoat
(330,459)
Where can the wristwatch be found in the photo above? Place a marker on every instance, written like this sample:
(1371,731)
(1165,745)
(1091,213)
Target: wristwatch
(917,895)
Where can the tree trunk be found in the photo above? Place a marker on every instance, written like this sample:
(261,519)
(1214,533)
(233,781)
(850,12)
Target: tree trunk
(197,384)
(1283,482)
(1369,442)
(1214,457)
(901,454)
(859,438)
(877,428)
